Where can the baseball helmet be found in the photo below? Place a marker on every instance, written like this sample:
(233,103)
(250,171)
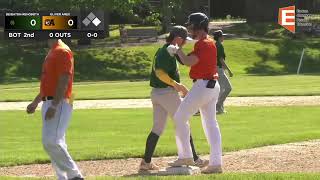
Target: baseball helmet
(179,31)
(198,20)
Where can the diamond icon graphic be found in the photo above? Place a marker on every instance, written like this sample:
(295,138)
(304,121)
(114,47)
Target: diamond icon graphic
(86,21)
(91,16)
(96,22)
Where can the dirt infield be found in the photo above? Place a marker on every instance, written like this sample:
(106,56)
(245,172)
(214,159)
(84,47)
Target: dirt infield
(293,157)
(146,103)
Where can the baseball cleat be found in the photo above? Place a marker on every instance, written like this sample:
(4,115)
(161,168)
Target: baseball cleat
(212,170)
(182,162)
(201,163)
(148,166)
(221,112)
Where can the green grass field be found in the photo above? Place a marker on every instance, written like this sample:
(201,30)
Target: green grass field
(225,176)
(291,85)
(105,134)
(261,68)
(255,56)
(100,62)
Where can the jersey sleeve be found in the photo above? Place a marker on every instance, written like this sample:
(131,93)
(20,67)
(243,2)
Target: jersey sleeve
(164,77)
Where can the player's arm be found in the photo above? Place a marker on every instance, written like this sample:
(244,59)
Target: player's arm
(225,66)
(188,60)
(59,95)
(159,67)
(164,77)
(61,89)
(34,104)
(37,99)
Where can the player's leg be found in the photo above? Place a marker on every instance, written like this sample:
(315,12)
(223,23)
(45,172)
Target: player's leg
(159,122)
(212,131)
(187,108)
(54,142)
(170,101)
(62,175)
(160,116)
(225,89)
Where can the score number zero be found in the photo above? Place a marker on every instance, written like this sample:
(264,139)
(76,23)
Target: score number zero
(92,35)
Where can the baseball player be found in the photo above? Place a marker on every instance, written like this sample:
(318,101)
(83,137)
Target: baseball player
(165,81)
(55,92)
(203,95)
(225,85)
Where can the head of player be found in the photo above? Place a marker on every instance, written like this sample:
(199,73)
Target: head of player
(198,25)
(218,36)
(177,36)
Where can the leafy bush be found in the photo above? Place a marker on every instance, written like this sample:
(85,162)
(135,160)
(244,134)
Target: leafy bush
(152,20)
(23,62)
(111,64)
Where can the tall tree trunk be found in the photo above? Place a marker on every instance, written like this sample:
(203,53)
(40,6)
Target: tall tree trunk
(167,14)
(107,22)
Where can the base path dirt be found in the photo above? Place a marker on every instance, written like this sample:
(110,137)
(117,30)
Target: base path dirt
(293,157)
(146,103)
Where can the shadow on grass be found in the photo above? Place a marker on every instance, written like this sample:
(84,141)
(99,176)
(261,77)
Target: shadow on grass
(287,58)
(21,60)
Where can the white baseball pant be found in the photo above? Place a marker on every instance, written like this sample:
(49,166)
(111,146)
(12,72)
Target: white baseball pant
(53,140)
(205,99)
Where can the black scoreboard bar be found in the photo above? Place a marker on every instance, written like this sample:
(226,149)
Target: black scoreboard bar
(46,25)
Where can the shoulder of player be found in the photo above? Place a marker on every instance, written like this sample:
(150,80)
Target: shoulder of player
(62,52)
(163,54)
(205,43)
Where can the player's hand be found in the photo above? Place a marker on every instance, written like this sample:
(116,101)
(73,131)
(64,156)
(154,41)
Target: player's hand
(31,108)
(177,86)
(50,113)
(181,88)
(172,49)
(184,91)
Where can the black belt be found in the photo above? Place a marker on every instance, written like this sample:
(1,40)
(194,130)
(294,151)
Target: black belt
(46,98)
(195,80)
(211,83)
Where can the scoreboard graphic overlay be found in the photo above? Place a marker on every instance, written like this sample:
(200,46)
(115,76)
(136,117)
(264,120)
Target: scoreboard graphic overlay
(46,25)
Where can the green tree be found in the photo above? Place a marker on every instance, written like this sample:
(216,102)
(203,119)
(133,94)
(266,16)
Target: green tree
(19,4)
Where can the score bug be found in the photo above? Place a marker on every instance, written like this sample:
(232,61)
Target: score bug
(92,35)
